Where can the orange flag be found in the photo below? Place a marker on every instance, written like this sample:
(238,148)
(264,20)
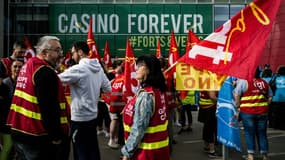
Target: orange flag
(29,51)
(93,53)
(107,56)
(158,50)
(130,82)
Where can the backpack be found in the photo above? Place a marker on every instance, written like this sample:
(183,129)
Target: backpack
(272,84)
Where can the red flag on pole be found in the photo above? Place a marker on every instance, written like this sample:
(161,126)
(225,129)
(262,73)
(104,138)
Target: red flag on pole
(67,57)
(107,56)
(93,53)
(192,39)
(235,47)
(173,55)
(130,82)
(29,50)
(158,50)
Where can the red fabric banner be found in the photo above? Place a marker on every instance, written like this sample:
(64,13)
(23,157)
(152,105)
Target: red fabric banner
(93,53)
(192,39)
(130,82)
(29,50)
(235,47)
(107,55)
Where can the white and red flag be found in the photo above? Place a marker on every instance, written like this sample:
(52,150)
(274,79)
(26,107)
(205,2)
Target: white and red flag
(107,55)
(29,50)
(93,53)
(130,82)
(235,47)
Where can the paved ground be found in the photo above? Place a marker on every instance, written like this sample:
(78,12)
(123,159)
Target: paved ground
(189,146)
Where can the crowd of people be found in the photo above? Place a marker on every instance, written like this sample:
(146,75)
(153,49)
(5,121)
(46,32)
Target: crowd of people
(38,122)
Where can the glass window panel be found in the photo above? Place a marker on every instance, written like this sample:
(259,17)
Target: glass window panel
(237,1)
(188,1)
(155,1)
(221,1)
(204,1)
(122,1)
(139,1)
(171,1)
(221,13)
(234,9)
(56,1)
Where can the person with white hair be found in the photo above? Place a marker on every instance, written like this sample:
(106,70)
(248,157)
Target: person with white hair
(39,112)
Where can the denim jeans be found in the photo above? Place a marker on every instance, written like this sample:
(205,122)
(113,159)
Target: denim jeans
(255,127)
(84,139)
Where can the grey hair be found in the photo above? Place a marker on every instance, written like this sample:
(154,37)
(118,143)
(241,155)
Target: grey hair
(43,43)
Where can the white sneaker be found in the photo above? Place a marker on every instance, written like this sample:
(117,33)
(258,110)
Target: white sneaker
(99,133)
(113,145)
(107,135)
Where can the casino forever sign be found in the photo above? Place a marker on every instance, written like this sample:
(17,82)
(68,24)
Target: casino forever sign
(143,24)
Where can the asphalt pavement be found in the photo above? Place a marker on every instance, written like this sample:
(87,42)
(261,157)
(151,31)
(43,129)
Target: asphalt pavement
(189,145)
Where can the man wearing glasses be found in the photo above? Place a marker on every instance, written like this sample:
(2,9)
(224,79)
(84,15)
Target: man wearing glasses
(39,112)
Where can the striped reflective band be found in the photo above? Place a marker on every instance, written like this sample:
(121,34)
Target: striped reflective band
(32,114)
(26,112)
(246,98)
(26,96)
(154,145)
(158,128)
(260,104)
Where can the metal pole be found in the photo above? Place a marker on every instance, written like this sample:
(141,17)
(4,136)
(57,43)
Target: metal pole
(225,153)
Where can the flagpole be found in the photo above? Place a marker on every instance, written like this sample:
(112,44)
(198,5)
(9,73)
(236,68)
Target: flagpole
(225,153)
(169,68)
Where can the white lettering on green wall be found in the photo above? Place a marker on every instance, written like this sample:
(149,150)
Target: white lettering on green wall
(136,23)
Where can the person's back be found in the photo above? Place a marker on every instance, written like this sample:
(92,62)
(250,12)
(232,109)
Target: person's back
(86,79)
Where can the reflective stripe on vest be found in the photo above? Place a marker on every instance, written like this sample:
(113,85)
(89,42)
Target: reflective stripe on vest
(158,128)
(34,100)
(154,145)
(205,102)
(255,104)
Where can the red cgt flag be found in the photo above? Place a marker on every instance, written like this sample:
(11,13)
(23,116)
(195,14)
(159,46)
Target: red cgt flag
(235,47)
(192,39)
(93,53)
(67,57)
(130,82)
(173,55)
(29,51)
(107,56)
(158,50)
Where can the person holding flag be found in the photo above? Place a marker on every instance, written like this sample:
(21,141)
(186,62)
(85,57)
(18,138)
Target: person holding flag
(145,115)
(253,97)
